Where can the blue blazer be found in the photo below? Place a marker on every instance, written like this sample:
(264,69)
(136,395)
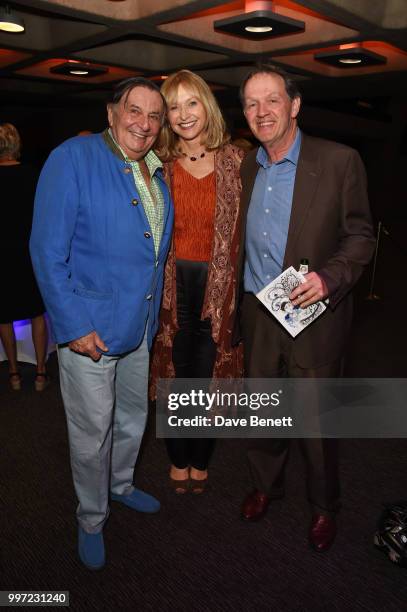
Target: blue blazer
(92,249)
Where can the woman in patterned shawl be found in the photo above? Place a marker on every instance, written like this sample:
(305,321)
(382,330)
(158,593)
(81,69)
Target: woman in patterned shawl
(195,335)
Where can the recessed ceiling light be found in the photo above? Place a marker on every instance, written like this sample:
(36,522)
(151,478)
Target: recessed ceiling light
(258,29)
(10,22)
(349,60)
(351,57)
(78,69)
(259,25)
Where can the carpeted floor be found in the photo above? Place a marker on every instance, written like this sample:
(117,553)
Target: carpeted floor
(197,554)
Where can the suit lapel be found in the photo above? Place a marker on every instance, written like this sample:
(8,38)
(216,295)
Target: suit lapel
(248,174)
(248,179)
(306,182)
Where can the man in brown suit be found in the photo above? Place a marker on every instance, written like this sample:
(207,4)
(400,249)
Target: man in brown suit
(302,197)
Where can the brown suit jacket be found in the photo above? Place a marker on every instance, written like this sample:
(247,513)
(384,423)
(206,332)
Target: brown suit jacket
(330,224)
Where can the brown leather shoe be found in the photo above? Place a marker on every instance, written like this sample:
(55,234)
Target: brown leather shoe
(322,532)
(255,506)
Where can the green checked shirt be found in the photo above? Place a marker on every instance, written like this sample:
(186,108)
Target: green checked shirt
(152,199)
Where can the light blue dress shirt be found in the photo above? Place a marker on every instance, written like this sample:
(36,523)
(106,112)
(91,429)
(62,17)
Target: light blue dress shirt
(268,217)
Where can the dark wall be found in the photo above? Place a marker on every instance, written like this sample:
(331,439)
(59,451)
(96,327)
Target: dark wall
(43,128)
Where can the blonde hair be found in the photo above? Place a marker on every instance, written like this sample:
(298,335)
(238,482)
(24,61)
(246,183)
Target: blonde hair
(10,141)
(216,134)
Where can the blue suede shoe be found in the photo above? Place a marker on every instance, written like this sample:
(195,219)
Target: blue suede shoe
(138,500)
(91,549)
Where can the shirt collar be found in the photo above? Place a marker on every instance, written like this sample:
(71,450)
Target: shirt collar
(153,163)
(291,155)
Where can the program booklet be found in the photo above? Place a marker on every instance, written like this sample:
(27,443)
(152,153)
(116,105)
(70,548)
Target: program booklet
(275,297)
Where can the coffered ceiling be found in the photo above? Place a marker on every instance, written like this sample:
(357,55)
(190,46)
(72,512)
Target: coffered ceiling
(157,37)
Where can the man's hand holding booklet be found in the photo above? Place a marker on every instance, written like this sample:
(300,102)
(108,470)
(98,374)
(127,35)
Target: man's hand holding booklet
(275,297)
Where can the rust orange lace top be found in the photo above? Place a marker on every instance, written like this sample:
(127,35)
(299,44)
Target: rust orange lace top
(194,204)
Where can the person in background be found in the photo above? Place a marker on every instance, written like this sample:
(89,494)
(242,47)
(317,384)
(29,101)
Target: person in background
(101,233)
(302,197)
(21,298)
(194,340)
(243,143)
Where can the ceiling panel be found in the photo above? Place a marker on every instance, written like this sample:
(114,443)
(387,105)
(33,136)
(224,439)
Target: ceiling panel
(155,37)
(317,29)
(42,69)
(44,32)
(126,10)
(150,55)
(390,14)
(396,60)
(9,57)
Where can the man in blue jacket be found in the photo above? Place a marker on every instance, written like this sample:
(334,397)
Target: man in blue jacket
(101,233)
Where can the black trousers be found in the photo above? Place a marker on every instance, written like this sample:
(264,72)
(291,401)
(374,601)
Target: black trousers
(268,354)
(194,353)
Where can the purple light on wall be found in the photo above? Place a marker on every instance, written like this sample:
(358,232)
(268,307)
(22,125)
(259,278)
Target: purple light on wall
(22,322)
(22,329)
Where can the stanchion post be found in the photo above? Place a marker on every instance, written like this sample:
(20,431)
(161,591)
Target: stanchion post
(372,295)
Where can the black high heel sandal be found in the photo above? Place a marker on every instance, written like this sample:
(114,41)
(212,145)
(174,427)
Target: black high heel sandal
(41,381)
(15,381)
